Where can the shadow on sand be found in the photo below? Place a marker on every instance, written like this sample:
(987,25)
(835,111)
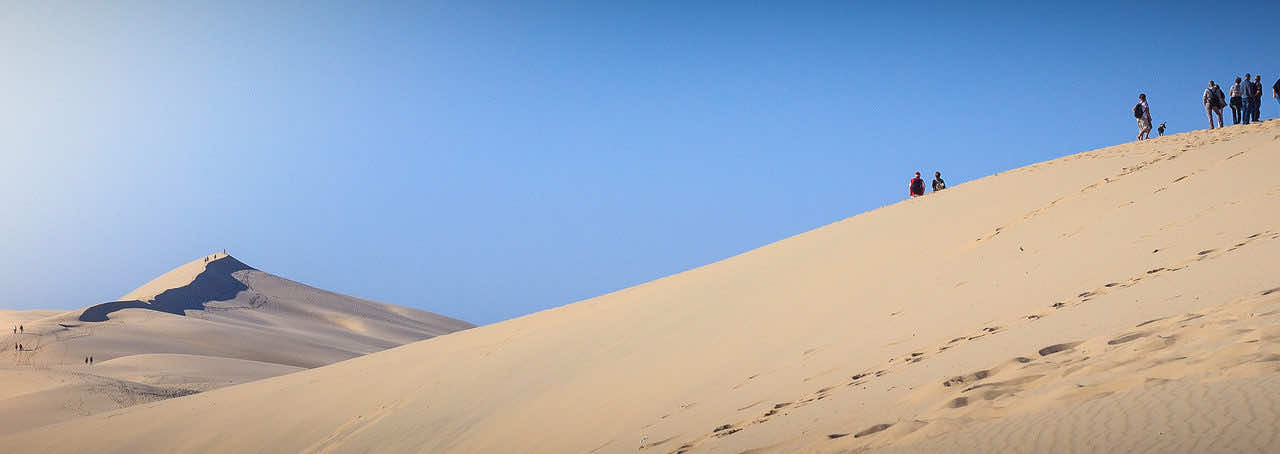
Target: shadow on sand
(214,284)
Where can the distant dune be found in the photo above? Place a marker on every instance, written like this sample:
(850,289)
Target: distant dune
(209,323)
(1115,300)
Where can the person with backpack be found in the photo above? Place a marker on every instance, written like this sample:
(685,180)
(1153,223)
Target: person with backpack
(1142,112)
(1246,95)
(1213,102)
(1236,105)
(938,184)
(917,186)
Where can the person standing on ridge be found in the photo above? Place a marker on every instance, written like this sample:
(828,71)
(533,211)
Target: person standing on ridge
(938,184)
(1236,104)
(1142,112)
(1257,98)
(1213,102)
(1246,95)
(1275,90)
(917,186)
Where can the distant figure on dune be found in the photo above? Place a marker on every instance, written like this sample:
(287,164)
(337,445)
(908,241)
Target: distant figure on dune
(1257,98)
(1214,101)
(21,329)
(1246,95)
(917,186)
(938,184)
(1275,90)
(90,360)
(86,360)
(1237,106)
(1161,130)
(1142,112)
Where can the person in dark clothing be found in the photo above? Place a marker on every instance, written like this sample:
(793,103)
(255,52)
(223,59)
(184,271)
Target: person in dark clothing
(1257,97)
(917,186)
(1275,90)
(90,360)
(1246,96)
(938,184)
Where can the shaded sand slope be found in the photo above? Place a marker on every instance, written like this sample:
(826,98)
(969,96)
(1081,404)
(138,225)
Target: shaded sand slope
(1007,292)
(218,322)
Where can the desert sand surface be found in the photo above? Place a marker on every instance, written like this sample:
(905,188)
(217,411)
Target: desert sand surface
(209,323)
(1121,299)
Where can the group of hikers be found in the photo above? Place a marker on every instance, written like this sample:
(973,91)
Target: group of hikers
(917,184)
(19,329)
(1244,97)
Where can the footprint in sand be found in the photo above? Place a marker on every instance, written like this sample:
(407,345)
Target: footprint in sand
(872,430)
(1055,348)
(1126,338)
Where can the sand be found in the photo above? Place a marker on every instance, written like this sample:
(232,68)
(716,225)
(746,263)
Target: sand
(206,324)
(1119,299)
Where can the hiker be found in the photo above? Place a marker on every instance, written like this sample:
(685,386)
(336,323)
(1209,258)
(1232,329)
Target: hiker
(1257,98)
(938,184)
(1213,102)
(1275,90)
(90,360)
(1160,130)
(86,360)
(1142,112)
(21,329)
(917,186)
(1236,105)
(1246,96)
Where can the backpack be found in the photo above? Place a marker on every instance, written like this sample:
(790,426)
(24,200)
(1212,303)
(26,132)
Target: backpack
(1137,110)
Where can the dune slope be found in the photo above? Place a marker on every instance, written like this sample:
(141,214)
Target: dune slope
(210,323)
(1118,282)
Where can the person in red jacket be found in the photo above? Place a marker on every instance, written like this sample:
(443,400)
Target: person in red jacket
(917,186)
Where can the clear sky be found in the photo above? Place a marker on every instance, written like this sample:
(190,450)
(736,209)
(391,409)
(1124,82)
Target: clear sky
(486,160)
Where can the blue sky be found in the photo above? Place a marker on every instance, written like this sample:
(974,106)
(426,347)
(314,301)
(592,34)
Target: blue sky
(486,160)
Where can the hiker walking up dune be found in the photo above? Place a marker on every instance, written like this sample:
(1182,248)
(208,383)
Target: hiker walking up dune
(917,186)
(1142,112)
(1213,102)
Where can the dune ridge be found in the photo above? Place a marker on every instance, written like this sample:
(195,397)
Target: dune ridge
(1116,283)
(209,323)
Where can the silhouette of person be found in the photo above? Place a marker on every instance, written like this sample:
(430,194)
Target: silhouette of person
(86,360)
(90,360)
(22,329)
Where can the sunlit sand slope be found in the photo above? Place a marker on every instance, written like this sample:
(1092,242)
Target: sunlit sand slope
(1059,307)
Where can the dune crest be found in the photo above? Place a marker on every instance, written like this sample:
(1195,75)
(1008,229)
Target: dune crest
(205,325)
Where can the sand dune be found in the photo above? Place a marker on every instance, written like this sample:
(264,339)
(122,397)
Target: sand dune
(209,323)
(1063,307)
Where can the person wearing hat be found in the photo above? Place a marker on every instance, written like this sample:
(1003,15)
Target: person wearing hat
(917,186)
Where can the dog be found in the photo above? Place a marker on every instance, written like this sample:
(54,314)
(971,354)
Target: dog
(1161,130)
